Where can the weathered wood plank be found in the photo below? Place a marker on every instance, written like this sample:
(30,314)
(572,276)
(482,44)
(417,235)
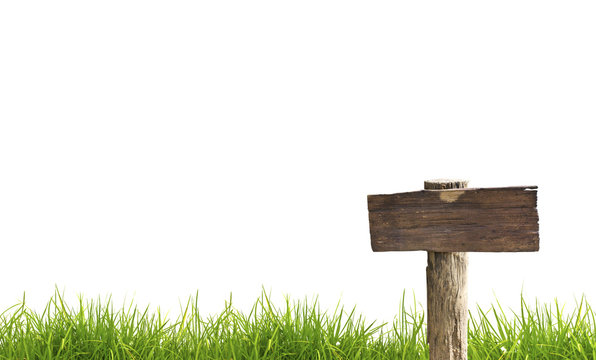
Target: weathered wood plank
(483,219)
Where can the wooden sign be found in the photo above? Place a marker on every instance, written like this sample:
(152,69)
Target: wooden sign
(455,220)
(447,220)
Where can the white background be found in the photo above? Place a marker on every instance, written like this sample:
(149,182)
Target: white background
(153,149)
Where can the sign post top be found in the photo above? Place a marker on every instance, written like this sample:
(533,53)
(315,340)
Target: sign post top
(439,184)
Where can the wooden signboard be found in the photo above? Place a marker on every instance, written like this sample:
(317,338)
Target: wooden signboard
(447,220)
(467,219)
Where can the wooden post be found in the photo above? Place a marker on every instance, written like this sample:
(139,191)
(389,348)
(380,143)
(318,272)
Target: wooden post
(447,295)
(447,220)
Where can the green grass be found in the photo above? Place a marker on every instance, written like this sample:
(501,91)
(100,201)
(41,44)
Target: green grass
(297,330)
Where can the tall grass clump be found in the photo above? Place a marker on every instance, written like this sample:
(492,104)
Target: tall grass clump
(296,330)
(544,332)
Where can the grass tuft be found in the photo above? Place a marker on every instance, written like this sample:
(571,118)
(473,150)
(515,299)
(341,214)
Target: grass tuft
(296,330)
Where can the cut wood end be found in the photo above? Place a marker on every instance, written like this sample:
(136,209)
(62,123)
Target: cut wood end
(439,184)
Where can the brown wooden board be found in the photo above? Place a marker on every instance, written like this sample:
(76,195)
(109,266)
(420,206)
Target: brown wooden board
(483,219)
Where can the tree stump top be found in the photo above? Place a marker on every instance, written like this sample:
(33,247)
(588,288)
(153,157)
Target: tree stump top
(440,184)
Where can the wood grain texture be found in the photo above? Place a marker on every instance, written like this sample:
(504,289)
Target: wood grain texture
(454,220)
(447,295)
(447,303)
